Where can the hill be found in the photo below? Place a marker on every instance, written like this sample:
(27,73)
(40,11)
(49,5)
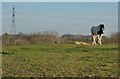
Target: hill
(60,60)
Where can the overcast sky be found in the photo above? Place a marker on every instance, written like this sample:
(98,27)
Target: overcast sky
(63,17)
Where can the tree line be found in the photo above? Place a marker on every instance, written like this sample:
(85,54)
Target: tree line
(52,37)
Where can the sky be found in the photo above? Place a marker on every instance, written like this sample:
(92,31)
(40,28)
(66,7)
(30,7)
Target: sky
(63,17)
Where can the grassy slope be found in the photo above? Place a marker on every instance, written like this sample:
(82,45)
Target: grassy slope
(67,60)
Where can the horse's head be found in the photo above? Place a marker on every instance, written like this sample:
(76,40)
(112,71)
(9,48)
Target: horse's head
(101,27)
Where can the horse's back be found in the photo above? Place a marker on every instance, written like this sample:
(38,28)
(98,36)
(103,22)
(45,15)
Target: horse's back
(94,30)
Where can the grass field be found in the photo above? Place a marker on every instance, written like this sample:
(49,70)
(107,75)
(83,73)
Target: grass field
(60,60)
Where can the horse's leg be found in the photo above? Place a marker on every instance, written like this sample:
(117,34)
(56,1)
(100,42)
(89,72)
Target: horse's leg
(95,39)
(100,40)
(94,42)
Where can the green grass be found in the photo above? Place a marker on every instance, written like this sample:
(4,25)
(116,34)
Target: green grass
(60,60)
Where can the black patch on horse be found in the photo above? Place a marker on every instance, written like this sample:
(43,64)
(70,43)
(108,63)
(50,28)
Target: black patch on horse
(100,31)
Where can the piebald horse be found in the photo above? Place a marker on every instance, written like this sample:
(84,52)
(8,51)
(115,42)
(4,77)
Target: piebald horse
(97,32)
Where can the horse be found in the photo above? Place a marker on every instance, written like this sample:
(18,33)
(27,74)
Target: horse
(97,32)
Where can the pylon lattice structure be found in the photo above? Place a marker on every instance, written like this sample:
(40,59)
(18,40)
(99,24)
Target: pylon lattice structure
(13,27)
